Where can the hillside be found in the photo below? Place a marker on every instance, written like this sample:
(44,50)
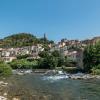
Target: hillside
(21,39)
(18,40)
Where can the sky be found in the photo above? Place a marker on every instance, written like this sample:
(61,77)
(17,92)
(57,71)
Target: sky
(71,19)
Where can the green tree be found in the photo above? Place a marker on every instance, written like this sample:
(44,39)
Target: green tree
(23,56)
(23,64)
(91,56)
(48,62)
(56,53)
(43,54)
(46,47)
(53,62)
(5,69)
(61,61)
(88,58)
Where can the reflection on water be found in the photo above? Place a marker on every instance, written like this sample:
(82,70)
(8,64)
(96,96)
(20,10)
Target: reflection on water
(39,87)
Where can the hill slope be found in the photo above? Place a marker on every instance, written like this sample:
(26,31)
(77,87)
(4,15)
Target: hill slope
(19,40)
(22,39)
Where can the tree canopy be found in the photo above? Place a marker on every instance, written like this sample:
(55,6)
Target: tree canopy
(91,56)
(22,39)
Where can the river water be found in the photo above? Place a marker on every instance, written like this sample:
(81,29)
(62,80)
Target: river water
(40,87)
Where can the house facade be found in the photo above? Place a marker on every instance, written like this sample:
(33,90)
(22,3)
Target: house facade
(10,54)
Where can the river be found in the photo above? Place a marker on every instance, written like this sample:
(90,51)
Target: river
(40,87)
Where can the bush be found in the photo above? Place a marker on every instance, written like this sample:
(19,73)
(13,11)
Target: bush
(50,60)
(60,62)
(43,54)
(5,69)
(69,63)
(91,57)
(23,64)
(96,70)
(42,64)
(23,56)
(47,63)
(97,67)
(70,69)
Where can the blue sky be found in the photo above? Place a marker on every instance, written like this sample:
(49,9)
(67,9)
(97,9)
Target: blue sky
(72,19)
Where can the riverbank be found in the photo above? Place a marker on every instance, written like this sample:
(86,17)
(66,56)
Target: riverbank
(84,76)
(3,89)
(56,73)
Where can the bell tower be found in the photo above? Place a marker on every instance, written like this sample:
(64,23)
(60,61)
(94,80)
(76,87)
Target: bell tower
(45,38)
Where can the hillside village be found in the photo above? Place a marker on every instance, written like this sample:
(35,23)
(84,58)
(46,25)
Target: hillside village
(72,49)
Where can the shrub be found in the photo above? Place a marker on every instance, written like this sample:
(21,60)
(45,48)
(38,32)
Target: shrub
(23,56)
(97,67)
(23,64)
(70,69)
(5,69)
(96,70)
(70,63)
(49,62)
(91,57)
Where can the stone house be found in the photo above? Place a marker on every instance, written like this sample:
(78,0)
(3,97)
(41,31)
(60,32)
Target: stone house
(11,53)
(8,54)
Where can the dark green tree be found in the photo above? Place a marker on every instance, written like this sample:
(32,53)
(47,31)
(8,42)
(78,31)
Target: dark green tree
(5,69)
(91,56)
(56,53)
(23,56)
(43,54)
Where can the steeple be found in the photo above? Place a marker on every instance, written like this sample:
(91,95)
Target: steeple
(45,38)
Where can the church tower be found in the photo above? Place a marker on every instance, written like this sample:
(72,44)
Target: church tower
(45,38)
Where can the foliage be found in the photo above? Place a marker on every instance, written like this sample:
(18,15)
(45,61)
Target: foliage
(46,47)
(45,41)
(22,39)
(87,58)
(97,67)
(51,42)
(56,53)
(5,69)
(23,56)
(74,48)
(43,54)
(70,69)
(23,64)
(96,70)
(61,61)
(1,61)
(91,56)
(19,40)
(48,62)
(52,60)
(69,63)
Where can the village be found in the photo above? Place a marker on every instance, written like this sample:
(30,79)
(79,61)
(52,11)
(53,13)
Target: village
(49,49)
(72,49)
